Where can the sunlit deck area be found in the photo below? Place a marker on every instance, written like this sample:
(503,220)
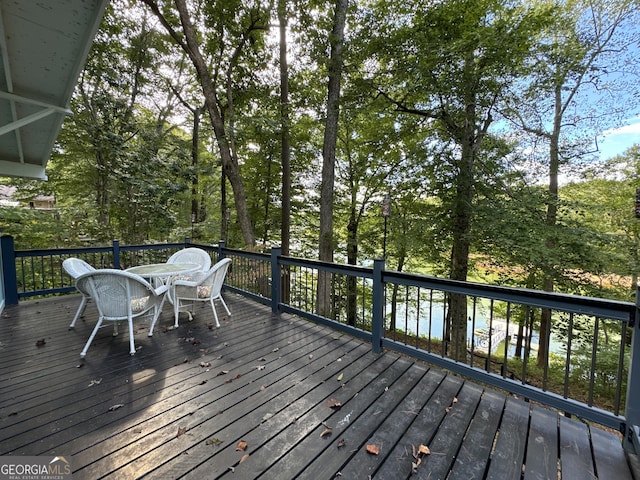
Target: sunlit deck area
(266,397)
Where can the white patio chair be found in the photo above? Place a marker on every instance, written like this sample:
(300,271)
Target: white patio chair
(207,289)
(192,255)
(76,267)
(120,295)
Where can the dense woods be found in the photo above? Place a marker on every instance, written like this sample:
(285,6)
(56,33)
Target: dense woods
(290,122)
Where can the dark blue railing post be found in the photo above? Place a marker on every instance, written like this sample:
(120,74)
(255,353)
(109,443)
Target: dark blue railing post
(377,321)
(9,276)
(187,242)
(116,254)
(221,246)
(632,404)
(276,280)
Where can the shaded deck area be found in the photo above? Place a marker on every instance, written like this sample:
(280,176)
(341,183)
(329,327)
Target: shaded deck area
(270,398)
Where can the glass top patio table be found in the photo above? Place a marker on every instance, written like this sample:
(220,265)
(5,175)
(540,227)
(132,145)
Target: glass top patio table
(164,270)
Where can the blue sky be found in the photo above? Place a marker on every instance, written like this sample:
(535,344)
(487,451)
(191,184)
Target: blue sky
(616,140)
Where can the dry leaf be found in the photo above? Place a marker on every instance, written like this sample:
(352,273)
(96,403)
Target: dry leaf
(205,364)
(181,431)
(261,367)
(415,465)
(244,457)
(333,403)
(455,400)
(40,343)
(213,441)
(242,446)
(373,449)
(340,377)
(424,450)
(115,407)
(341,443)
(325,432)
(223,372)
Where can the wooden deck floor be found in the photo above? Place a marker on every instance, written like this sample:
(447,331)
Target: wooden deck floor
(182,405)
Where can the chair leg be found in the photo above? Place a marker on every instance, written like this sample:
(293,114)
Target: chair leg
(224,304)
(79,312)
(154,319)
(176,311)
(83,353)
(215,315)
(132,345)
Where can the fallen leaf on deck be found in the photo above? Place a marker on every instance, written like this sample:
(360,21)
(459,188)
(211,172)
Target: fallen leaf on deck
(455,400)
(275,349)
(415,465)
(325,432)
(95,382)
(373,449)
(244,457)
(181,431)
(340,377)
(223,372)
(116,407)
(333,403)
(213,441)
(242,446)
(341,443)
(205,364)
(261,367)
(40,343)
(424,450)
(267,416)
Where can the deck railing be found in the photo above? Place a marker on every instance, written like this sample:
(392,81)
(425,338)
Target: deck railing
(591,370)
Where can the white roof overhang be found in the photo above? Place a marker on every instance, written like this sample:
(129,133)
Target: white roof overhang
(43,46)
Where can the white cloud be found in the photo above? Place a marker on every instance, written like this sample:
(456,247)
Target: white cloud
(617,140)
(631,128)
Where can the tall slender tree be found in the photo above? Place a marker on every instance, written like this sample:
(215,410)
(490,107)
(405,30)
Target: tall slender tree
(325,249)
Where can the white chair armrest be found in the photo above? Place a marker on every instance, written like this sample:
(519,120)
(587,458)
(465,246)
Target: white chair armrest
(185,283)
(161,289)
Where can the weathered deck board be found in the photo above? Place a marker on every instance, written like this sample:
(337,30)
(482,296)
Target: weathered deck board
(179,407)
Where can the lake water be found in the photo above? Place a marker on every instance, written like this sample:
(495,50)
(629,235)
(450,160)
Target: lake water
(430,323)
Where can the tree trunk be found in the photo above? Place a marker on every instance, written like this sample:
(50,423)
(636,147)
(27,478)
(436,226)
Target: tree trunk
(461,234)
(325,250)
(285,130)
(195,138)
(229,164)
(551,219)
(285,125)
(352,259)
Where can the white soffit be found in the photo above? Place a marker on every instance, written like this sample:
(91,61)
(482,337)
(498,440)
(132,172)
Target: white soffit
(43,47)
